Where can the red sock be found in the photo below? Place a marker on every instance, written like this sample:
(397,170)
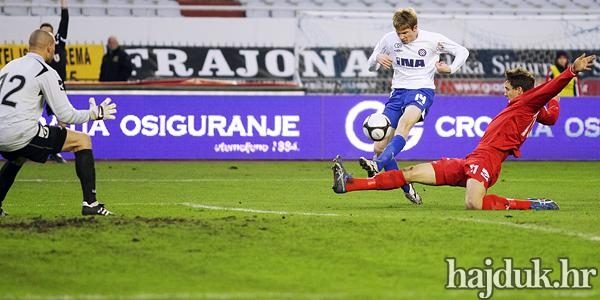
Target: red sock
(493,202)
(519,204)
(387,180)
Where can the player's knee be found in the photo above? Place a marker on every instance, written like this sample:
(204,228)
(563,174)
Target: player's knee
(86,141)
(378,148)
(470,203)
(409,173)
(403,129)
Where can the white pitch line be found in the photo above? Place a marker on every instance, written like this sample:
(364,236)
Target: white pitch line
(181,180)
(582,235)
(259,211)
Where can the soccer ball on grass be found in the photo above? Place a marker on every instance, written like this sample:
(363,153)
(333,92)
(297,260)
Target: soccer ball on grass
(376,126)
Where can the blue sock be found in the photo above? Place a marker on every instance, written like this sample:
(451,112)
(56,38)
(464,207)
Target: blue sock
(406,188)
(389,153)
(392,165)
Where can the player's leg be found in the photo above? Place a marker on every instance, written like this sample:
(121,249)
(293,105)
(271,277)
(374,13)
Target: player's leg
(414,107)
(393,111)
(491,202)
(8,173)
(474,195)
(57,157)
(81,145)
(481,177)
(476,198)
(412,114)
(370,165)
(388,180)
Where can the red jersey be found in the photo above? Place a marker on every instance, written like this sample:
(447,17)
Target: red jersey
(509,129)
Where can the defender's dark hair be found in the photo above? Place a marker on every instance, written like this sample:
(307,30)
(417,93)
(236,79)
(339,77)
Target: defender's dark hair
(47,25)
(520,77)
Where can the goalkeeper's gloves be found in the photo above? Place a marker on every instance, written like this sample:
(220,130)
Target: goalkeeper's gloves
(104,111)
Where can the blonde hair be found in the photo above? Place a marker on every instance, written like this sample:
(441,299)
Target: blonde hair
(404,18)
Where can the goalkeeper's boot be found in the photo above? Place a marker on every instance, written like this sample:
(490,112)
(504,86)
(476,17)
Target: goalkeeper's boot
(368,165)
(411,194)
(58,158)
(340,176)
(95,208)
(543,204)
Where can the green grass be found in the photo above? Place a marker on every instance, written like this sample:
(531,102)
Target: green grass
(366,245)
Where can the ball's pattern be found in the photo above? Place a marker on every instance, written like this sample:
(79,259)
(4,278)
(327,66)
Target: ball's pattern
(375,126)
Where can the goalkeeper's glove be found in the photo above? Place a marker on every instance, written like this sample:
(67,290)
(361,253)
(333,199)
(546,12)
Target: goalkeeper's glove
(104,111)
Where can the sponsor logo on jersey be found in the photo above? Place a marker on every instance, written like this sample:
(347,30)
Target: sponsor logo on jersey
(409,62)
(398,47)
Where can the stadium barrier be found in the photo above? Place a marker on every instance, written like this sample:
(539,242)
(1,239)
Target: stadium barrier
(184,125)
(320,70)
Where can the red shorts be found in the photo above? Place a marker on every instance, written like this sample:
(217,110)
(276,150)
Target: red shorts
(480,166)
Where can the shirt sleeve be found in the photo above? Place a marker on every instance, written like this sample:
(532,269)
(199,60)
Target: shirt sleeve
(460,53)
(549,114)
(537,97)
(63,26)
(53,89)
(380,48)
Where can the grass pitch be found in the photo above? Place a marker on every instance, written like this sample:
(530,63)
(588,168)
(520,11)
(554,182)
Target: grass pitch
(275,230)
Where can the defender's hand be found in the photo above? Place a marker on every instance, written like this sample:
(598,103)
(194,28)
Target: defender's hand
(442,67)
(583,63)
(384,60)
(104,111)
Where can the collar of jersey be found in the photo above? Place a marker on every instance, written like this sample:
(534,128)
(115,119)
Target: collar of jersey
(35,55)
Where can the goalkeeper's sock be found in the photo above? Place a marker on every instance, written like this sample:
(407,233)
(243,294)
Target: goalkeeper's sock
(8,173)
(383,181)
(494,202)
(389,153)
(84,167)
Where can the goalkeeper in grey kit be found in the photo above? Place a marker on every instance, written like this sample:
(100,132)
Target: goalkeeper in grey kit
(24,84)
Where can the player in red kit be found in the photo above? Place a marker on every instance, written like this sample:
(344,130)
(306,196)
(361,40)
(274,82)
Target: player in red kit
(481,168)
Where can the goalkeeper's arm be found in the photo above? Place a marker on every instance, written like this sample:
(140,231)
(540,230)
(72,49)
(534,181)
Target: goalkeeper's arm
(53,89)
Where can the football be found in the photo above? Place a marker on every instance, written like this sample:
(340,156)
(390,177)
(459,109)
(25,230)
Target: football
(376,126)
